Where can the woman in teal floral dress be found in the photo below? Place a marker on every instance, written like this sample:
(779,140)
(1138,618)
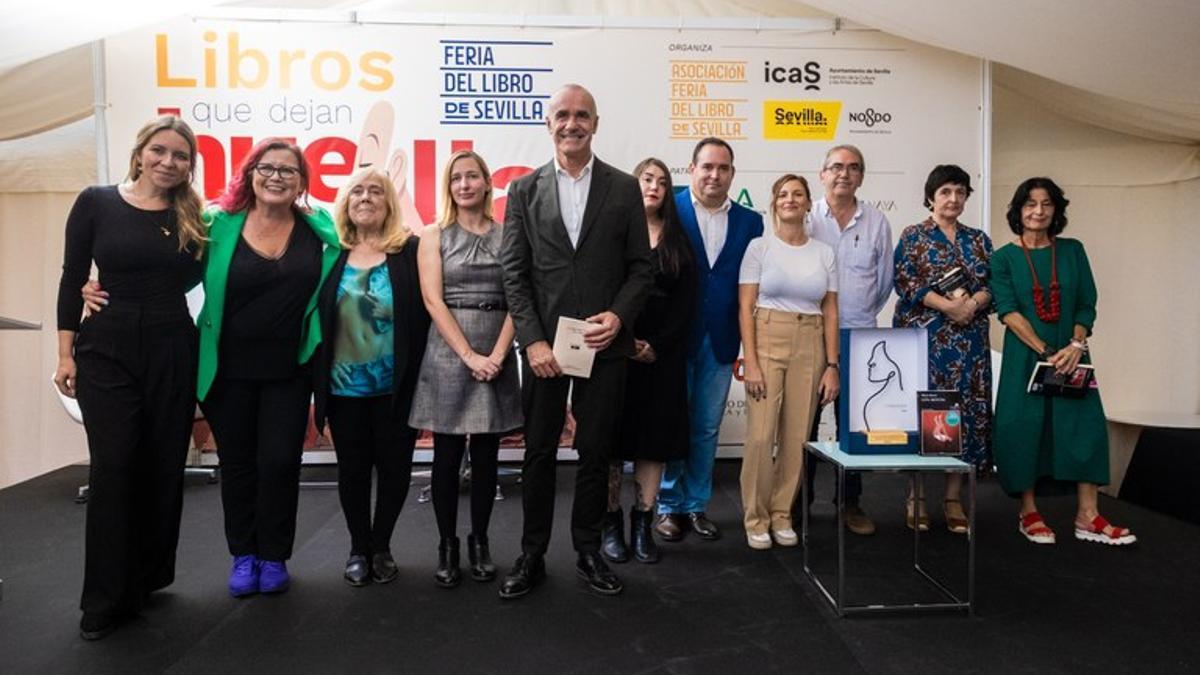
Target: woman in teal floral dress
(959,356)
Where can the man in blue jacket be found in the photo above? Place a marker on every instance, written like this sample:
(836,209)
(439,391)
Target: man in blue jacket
(719,231)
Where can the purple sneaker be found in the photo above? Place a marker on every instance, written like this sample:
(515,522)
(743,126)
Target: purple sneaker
(273,576)
(243,578)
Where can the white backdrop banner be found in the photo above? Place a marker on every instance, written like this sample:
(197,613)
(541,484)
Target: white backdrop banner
(406,96)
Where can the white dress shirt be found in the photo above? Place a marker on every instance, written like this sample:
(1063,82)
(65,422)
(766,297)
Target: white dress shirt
(713,226)
(573,196)
(864,261)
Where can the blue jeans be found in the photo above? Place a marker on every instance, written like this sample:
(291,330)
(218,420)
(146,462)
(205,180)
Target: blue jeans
(687,483)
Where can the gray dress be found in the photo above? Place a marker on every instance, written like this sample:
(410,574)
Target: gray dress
(448,400)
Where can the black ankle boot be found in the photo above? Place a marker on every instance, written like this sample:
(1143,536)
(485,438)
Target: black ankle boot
(482,568)
(612,537)
(448,574)
(645,549)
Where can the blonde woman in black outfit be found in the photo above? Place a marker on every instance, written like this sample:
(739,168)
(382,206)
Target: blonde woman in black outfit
(133,366)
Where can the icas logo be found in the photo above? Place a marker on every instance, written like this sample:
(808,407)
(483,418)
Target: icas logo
(808,75)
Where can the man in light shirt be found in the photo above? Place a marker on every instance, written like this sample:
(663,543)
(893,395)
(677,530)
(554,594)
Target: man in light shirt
(862,239)
(575,244)
(719,231)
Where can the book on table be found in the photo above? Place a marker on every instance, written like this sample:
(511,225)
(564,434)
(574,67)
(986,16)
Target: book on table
(941,422)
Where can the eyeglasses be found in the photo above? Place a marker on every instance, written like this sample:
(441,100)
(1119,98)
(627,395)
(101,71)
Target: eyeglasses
(268,170)
(854,169)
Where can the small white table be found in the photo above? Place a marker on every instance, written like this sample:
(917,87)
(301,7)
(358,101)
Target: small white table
(907,463)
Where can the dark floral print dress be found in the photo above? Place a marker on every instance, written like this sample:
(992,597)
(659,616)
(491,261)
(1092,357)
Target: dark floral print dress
(959,356)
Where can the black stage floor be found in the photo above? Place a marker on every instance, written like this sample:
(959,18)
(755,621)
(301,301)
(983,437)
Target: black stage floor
(706,608)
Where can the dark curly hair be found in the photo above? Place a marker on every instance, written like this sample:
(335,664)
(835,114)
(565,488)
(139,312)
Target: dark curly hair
(945,174)
(1057,224)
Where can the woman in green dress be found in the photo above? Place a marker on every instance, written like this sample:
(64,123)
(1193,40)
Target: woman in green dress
(1046,297)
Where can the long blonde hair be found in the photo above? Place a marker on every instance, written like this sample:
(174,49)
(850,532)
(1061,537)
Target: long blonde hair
(449,211)
(189,210)
(395,234)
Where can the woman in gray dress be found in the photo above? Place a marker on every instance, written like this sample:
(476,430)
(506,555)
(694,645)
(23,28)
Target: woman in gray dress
(468,385)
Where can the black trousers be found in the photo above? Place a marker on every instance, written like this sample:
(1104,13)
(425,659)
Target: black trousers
(448,451)
(596,403)
(137,392)
(368,435)
(853,478)
(259,427)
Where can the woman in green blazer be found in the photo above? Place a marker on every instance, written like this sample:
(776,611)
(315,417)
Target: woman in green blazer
(268,254)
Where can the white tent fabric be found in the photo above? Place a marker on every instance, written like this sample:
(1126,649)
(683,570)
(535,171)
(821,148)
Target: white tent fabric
(1143,56)
(32,30)
(29,106)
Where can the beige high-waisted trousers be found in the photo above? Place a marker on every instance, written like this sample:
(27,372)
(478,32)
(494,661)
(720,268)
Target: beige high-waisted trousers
(791,354)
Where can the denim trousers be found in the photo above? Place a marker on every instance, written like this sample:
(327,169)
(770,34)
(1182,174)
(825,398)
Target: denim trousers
(687,483)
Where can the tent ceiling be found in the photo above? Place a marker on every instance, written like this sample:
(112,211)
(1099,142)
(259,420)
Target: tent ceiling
(1144,54)
(1131,67)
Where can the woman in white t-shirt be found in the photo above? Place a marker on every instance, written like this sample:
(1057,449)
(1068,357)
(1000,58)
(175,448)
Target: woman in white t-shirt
(787,302)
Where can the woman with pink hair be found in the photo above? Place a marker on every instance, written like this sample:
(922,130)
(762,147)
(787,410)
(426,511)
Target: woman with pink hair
(268,255)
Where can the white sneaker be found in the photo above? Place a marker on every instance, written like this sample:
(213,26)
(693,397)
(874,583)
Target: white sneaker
(759,542)
(785,537)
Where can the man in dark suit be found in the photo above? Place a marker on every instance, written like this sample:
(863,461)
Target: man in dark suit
(719,231)
(575,245)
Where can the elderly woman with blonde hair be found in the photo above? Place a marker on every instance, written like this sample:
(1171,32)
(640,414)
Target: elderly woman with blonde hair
(376,324)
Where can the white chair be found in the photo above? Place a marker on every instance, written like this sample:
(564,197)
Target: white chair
(71,406)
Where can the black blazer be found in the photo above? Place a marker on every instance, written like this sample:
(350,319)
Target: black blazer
(545,278)
(411,322)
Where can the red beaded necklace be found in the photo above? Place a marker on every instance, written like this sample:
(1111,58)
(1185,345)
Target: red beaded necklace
(1051,313)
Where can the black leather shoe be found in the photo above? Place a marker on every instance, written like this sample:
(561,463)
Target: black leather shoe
(383,568)
(703,527)
(358,573)
(645,550)
(612,537)
(592,569)
(448,574)
(670,526)
(527,572)
(96,626)
(482,568)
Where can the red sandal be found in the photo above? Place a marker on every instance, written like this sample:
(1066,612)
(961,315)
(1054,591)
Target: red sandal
(1035,529)
(1095,531)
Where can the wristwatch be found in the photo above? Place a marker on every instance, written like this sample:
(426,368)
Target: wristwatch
(831,364)
(1046,354)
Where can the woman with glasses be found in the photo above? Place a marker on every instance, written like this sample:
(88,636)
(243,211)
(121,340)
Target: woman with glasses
(268,255)
(374,324)
(132,367)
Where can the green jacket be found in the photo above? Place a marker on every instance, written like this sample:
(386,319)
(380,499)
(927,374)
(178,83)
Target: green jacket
(223,237)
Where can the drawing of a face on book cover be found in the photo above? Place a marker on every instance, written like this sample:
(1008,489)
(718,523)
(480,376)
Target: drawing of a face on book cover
(887,368)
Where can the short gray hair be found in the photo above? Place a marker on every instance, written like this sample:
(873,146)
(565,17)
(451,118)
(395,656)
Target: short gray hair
(847,147)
